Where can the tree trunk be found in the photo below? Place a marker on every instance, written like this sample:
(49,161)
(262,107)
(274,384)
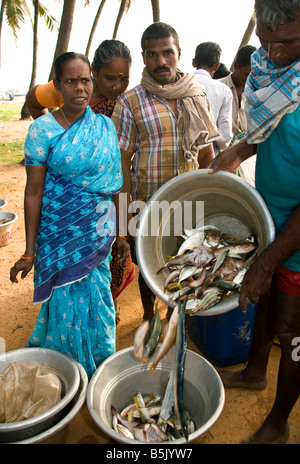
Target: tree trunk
(155,10)
(64,34)
(94,27)
(3,5)
(246,37)
(24,111)
(124,4)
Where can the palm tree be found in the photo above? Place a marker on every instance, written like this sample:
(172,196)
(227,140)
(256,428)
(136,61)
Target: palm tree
(64,34)
(95,23)
(155,10)
(24,111)
(16,12)
(125,5)
(247,36)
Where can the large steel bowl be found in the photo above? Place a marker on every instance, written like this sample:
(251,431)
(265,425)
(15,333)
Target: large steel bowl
(3,203)
(120,376)
(57,434)
(66,369)
(226,201)
(7,227)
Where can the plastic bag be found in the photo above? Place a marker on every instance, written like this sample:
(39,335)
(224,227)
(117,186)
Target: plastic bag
(27,390)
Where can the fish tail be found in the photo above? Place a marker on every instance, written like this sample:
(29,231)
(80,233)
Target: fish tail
(153,367)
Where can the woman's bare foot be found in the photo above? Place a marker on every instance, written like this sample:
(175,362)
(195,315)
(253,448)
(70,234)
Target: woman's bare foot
(268,435)
(239,379)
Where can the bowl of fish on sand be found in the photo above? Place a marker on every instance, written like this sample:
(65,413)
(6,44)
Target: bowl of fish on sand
(198,235)
(134,402)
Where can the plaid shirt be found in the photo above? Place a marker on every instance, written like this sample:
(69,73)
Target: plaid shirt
(148,128)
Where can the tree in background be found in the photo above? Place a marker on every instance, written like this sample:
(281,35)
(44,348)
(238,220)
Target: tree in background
(16,12)
(64,33)
(125,5)
(94,27)
(155,10)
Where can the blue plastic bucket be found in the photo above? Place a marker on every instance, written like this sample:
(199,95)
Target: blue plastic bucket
(224,339)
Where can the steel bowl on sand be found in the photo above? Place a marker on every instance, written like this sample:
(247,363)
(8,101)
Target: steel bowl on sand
(66,369)
(191,200)
(120,376)
(6,227)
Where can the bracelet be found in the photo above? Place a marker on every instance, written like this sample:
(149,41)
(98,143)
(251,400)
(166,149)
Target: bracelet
(124,238)
(31,257)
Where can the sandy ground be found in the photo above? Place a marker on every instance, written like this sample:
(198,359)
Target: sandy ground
(243,412)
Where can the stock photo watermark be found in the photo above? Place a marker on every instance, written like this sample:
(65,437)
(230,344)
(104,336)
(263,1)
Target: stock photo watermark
(164,218)
(296,351)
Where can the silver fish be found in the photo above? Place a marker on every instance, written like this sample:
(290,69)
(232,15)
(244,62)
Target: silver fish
(237,250)
(238,279)
(171,277)
(154,434)
(152,400)
(178,366)
(219,261)
(152,410)
(169,339)
(140,404)
(153,335)
(210,297)
(139,339)
(187,272)
(168,404)
(191,243)
(193,305)
(196,283)
(199,256)
(124,431)
(129,425)
(226,285)
(182,292)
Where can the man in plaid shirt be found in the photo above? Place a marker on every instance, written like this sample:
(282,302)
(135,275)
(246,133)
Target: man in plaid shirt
(164,126)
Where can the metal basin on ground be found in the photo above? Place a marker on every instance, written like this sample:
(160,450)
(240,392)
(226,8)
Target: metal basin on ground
(226,201)
(68,373)
(120,376)
(3,203)
(57,434)
(7,227)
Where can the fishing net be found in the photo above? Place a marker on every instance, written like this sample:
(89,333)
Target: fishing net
(27,390)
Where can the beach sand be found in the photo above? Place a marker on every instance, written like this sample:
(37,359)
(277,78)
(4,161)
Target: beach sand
(244,410)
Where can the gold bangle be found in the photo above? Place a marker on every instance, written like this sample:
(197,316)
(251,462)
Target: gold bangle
(122,236)
(31,257)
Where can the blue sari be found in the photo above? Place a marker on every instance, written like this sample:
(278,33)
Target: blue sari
(77,228)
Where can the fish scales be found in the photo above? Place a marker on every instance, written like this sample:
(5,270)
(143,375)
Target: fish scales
(222,258)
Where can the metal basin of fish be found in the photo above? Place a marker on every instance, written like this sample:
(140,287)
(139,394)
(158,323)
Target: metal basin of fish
(120,377)
(195,199)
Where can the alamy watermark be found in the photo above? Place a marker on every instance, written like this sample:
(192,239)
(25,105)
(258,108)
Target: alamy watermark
(296,351)
(163,218)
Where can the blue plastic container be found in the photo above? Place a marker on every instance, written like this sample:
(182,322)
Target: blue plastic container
(224,339)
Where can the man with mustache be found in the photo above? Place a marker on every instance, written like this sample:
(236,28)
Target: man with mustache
(164,125)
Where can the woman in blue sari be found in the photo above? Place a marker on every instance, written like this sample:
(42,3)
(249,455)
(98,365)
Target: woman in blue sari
(73,169)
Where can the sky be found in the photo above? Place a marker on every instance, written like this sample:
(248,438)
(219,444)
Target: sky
(195,21)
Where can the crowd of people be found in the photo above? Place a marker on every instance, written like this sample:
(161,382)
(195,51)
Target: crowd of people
(100,140)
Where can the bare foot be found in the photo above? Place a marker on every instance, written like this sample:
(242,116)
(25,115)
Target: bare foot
(239,380)
(268,435)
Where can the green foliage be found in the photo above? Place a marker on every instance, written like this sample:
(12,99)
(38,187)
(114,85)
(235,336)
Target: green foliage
(12,152)
(10,111)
